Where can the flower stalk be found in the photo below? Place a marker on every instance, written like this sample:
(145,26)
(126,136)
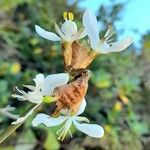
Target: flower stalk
(11,128)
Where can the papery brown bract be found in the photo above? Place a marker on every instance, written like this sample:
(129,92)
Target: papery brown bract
(81,56)
(70,96)
(67,53)
(77,56)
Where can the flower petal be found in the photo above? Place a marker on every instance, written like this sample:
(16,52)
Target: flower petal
(59,31)
(52,81)
(35,97)
(91,26)
(22,119)
(82,119)
(39,79)
(46,34)
(82,107)
(47,120)
(30,87)
(118,46)
(92,130)
(82,35)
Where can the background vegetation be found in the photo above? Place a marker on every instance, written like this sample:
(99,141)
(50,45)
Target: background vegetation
(119,91)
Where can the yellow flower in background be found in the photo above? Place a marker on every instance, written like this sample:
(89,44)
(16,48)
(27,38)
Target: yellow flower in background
(15,68)
(37,50)
(4,68)
(124,99)
(107,128)
(118,106)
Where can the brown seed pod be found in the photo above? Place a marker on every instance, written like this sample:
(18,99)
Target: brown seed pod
(70,96)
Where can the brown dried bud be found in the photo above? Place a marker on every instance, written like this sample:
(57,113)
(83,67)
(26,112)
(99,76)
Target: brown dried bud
(70,96)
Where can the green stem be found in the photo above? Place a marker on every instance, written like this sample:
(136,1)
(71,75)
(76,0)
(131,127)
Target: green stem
(11,128)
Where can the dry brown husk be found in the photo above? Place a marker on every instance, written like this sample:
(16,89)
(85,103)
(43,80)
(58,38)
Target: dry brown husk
(70,96)
(77,56)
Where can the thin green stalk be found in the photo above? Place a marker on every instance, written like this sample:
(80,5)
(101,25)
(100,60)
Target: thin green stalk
(11,128)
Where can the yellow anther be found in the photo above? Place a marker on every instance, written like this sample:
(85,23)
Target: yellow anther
(70,16)
(65,15)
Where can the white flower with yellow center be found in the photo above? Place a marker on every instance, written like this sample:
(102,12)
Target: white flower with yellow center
(92,130)
(104,45)
(43,87)
(67,33)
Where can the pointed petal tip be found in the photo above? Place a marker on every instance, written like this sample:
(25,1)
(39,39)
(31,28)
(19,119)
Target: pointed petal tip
(92,130)
(46,34)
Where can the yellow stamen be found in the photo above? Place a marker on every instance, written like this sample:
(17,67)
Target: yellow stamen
(70,16)
(65,15)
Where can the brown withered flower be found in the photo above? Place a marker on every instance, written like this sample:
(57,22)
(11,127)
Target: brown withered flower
(81,56)
(70,96)
(77,56)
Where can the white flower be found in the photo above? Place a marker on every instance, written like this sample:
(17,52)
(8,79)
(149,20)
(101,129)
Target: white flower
(43,87)
(68,32)
(92,130)
(103,45)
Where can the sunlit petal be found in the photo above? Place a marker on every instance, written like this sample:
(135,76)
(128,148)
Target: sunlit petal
(69,28)
(59,31)
(82,119)
(34,97)
(47,120)
(39,79)
(118,46)
(91,27)
(46,34)
(31,87)
(82,107)
(52,81)
(92,130)
(82,35)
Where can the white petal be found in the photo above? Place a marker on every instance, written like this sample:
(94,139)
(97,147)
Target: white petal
(52,81)
(69,28)
(82,119)
(46,34)
(20,97)
(82,107)
(118,46)
(92,130)
(47,120)
(59,31)
(22,119)
(39,79)
(34,97)
(82,35)
(91,27)
(31,87)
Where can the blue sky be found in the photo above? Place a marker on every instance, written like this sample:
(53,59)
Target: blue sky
(135,16)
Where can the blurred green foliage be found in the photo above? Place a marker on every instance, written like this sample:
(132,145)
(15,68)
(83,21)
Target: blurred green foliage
(119,91)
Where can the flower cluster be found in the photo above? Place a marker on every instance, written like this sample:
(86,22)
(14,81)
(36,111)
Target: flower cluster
(69,89)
